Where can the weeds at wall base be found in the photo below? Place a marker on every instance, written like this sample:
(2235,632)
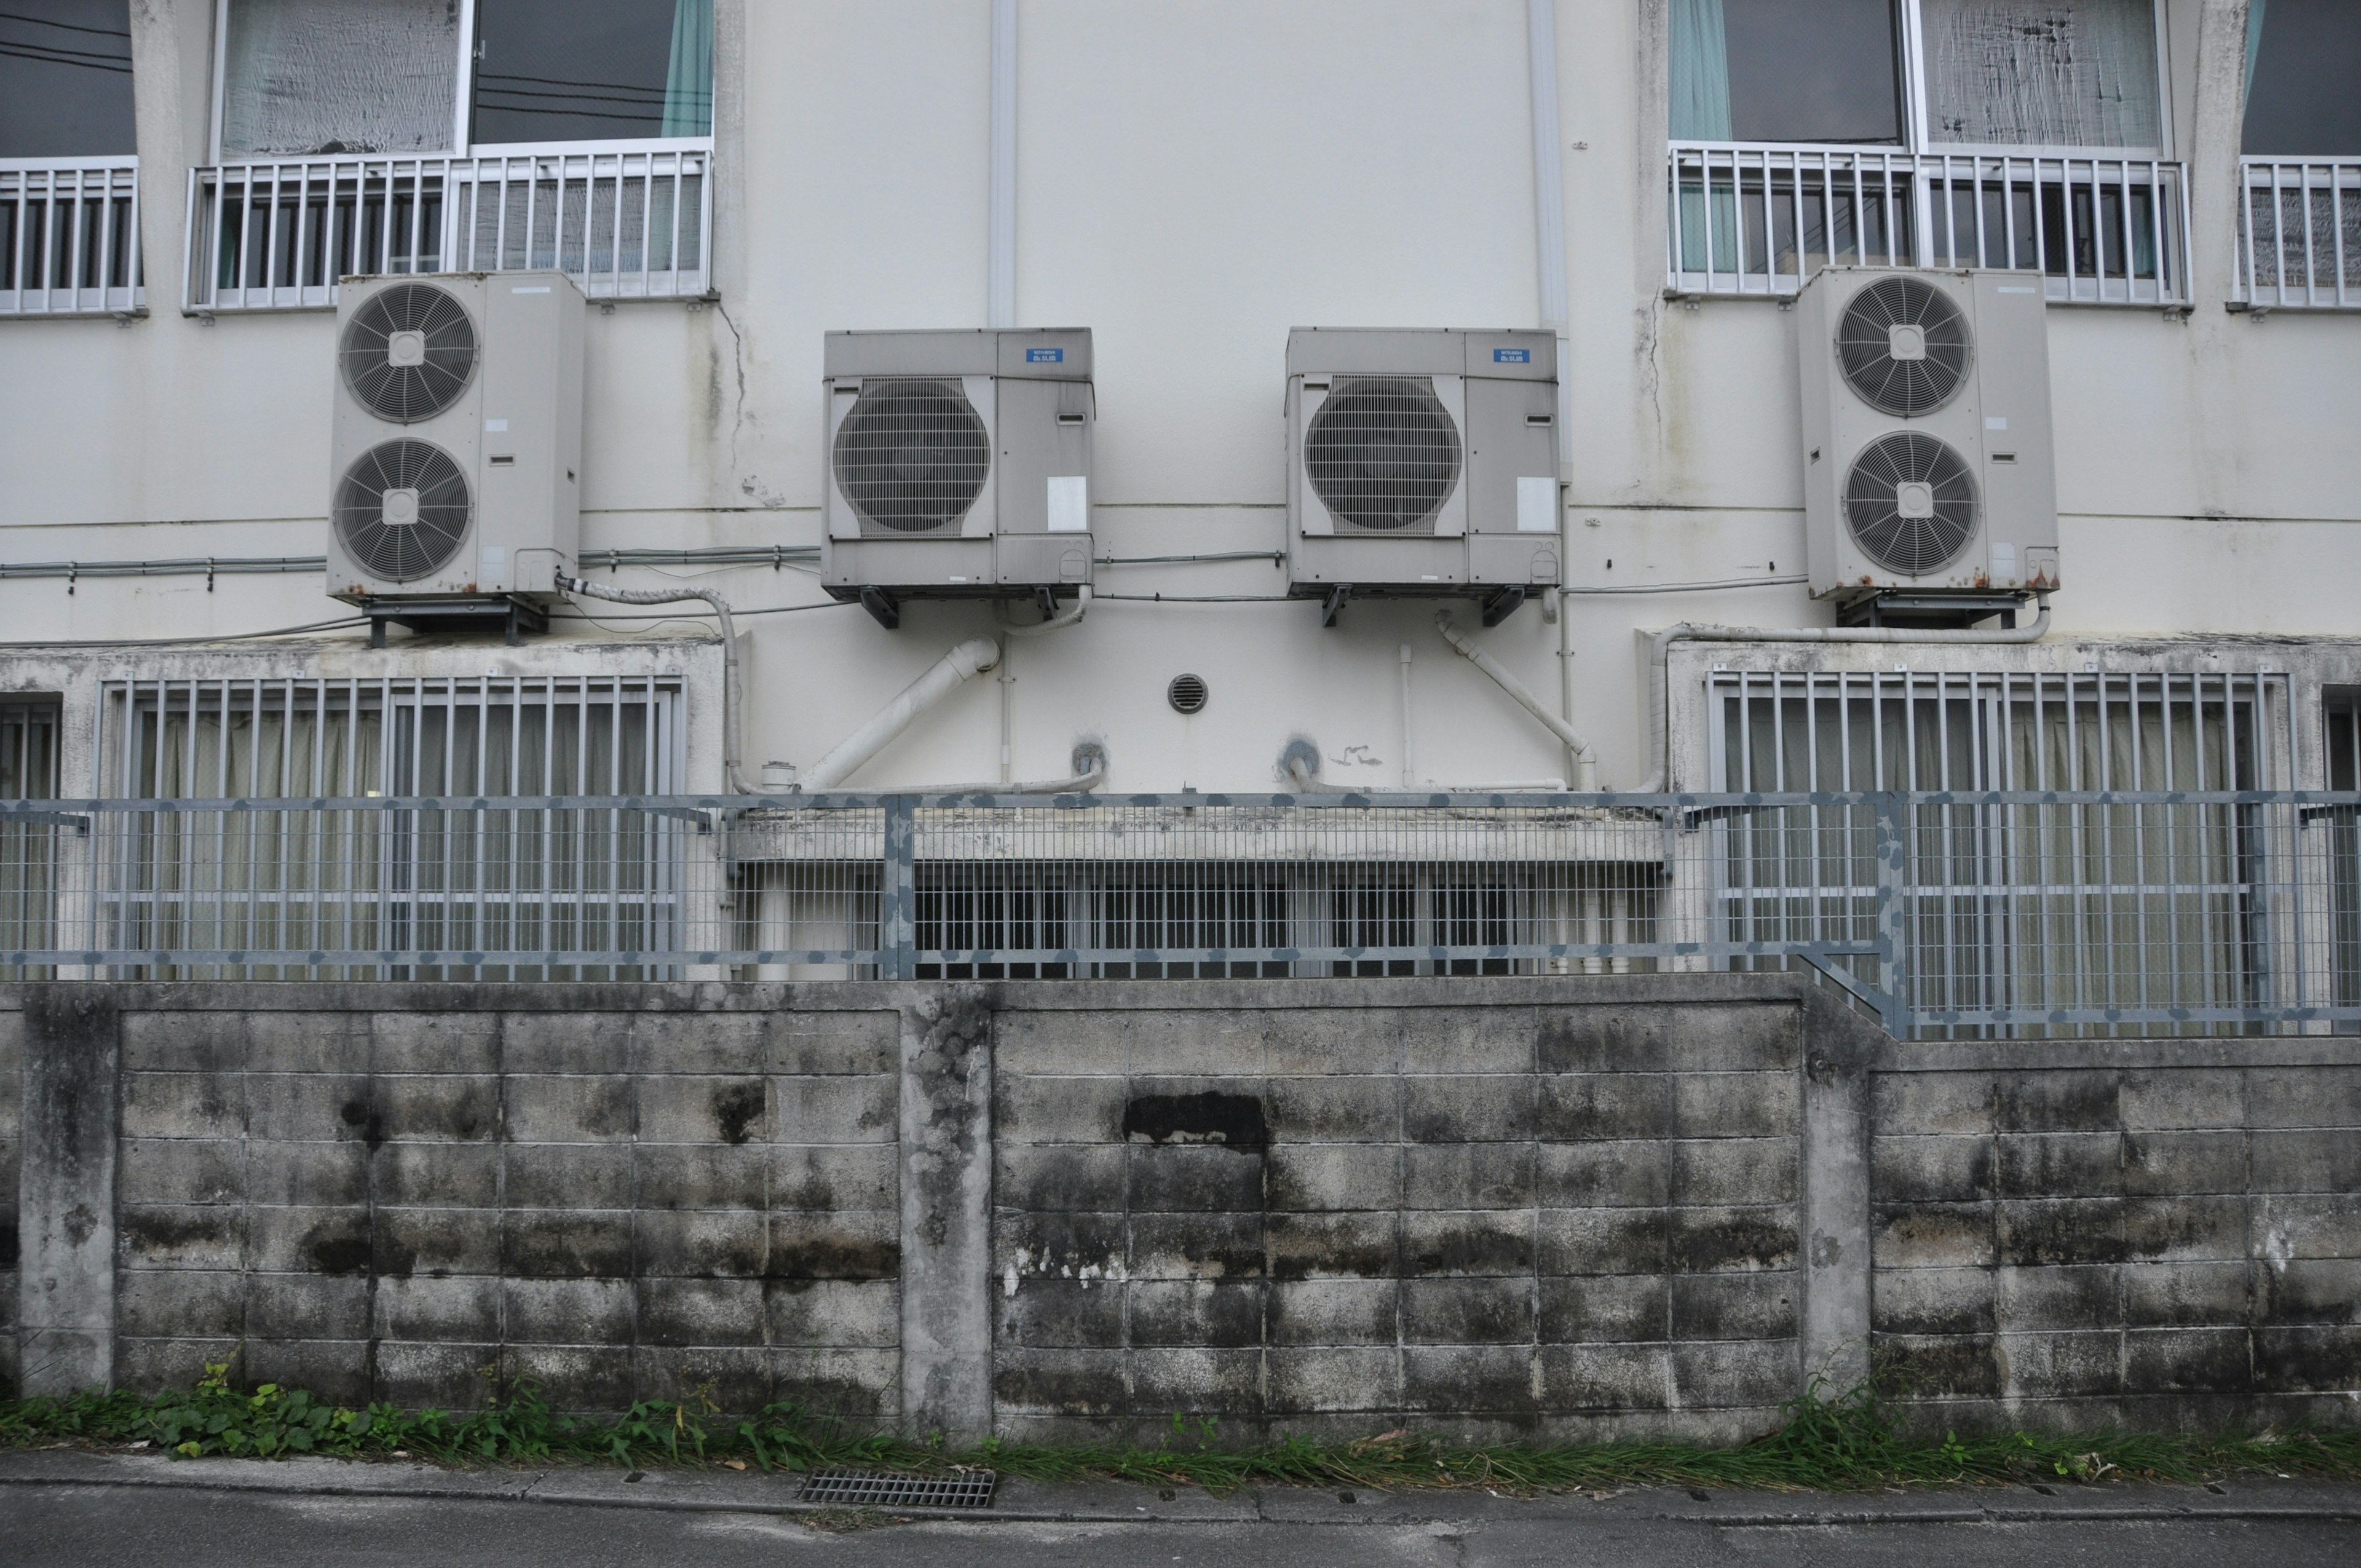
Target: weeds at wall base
(1834,1442)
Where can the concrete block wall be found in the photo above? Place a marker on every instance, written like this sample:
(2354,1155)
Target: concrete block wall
(433,1195)
(1319,1218)
(1571,1206)
(2160,1232)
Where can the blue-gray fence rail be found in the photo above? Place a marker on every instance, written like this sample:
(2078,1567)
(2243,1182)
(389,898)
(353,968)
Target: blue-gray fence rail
(2005,912)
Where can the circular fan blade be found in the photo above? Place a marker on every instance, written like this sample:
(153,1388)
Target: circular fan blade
(911,456)
(395,551)
(1933,363)
(1911,503)
(408,352)
(1382,452)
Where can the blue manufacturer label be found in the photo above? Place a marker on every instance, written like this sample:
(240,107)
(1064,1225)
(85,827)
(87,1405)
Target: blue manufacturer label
(1045,356)
(1512,356)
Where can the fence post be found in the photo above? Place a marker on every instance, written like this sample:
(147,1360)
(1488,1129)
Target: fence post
(65,1199)
(898,912)
(1893,914)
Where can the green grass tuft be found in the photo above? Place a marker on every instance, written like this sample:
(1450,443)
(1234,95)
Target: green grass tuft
(1828,1442)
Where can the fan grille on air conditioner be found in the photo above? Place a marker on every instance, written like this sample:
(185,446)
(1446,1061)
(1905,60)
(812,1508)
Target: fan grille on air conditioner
(409,352)
(912,456)
(1383,454)
(402,510)
(1914,370)
(1911,503)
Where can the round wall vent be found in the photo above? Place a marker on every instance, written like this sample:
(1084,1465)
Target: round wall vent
(1911,503)
(912,456)
(1903,346)
(409,352)
(1186,694)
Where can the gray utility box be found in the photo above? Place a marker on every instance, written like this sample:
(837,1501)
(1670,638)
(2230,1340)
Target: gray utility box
(456,462)
(958,464)
(1927,456)
(1421,463)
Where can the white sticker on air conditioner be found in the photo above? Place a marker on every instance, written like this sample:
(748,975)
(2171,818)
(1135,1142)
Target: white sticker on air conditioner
(1070,503)
(492,565)
(2003,561)
(1991,422)
(494,426)
(1536,506)
(2014,288)
(529,288)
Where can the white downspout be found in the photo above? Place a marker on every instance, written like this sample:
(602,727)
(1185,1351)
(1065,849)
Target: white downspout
(1549,265)
(1586,762)
(1409,776)
(1660,657)
(962,664)
(732,695)
(1008,677)
(1000,252)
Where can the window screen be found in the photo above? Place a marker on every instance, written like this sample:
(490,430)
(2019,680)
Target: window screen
(593,70)
(65,78)
(2303,78)
(339,76)
(2042,72)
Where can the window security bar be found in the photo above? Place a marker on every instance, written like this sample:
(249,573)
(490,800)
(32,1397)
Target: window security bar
(624,224)
(1762,218)
(69,238)
(2300,234)
(1949,914)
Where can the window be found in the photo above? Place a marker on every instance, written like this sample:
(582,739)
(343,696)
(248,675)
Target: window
(386,76)
(2023,134)
(65,78)
(2343,823)
(2303,78)
(28,849)
(442,135)
(2022,73)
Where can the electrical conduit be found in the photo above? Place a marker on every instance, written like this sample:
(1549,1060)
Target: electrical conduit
(732,695)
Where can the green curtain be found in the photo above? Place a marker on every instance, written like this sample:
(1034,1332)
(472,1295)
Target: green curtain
(688,82)
(2254,9)
(1701,74)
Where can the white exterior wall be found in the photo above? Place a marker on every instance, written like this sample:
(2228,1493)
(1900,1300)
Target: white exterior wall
(1191,182)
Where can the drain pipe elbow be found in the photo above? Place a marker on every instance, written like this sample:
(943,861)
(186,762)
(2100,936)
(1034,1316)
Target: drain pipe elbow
(733,701)
(1299,763)
(1058,622)
(1660,646)
(1586,761)
(962,665)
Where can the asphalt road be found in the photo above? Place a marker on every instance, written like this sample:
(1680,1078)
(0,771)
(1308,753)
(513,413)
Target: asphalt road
(62,1526)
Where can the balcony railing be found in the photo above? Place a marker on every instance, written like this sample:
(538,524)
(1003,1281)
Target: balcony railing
(1747,219)
(624,224)
(69,236)
(2299,233)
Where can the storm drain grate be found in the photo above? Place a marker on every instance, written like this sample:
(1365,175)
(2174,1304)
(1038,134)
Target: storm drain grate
(882,1490)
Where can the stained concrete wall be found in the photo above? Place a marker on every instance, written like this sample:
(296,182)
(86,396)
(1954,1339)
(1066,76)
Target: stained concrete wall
(1587,1206)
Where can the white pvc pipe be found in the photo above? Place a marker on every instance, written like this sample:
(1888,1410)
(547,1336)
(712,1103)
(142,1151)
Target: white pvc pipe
(1092,774)
(733,695)
(1660,660)
(1008,678)
(1409,776)
(1586,764)
(962,664)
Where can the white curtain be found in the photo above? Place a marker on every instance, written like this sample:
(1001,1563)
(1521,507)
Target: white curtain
(1700,72)
(339,76)
(2042,72)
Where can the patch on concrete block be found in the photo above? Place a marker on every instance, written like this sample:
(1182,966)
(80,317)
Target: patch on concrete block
(1231,1121)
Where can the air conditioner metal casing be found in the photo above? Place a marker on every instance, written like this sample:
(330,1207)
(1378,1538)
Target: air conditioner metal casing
(1029,526)
(1998,420)
(515,432)
(1498,528)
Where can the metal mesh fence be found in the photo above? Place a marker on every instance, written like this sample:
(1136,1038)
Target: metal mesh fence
(1961,913)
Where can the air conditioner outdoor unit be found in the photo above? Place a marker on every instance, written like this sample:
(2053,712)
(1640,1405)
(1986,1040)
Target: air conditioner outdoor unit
(455,471)
(1421,463)
(959,465)
(1928,478)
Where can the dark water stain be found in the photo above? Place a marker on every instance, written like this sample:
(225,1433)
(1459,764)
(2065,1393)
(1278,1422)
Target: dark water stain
(338,1247)
(735,1108)
(836,1257)
(363,1118)
(163,1231)
(8,1244)
(1231,1121)
(1704,1245)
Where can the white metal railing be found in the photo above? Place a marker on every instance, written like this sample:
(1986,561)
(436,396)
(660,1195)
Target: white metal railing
(2299,233)
(1759,219)
(623,223)
(69,236)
